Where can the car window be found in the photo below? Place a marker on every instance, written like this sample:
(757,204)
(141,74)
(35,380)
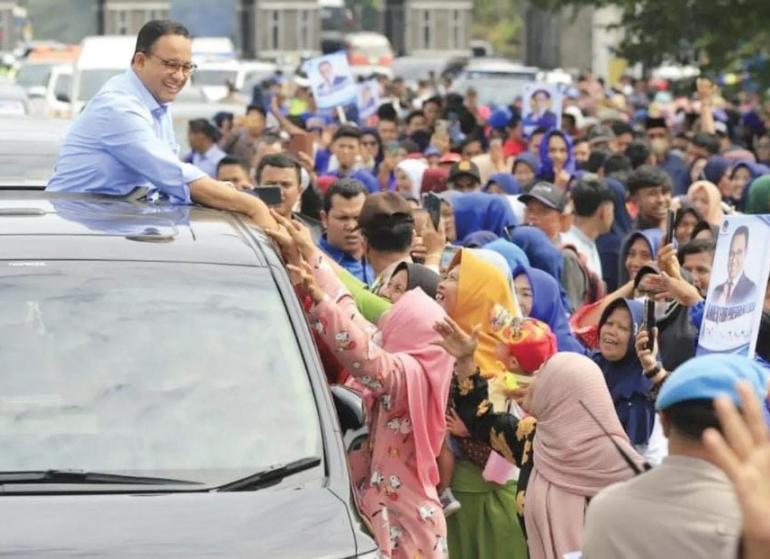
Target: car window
(31,75)
(62,85)
(178,370)
(91,81)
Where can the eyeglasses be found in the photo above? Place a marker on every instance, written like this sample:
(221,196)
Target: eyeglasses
(172,67)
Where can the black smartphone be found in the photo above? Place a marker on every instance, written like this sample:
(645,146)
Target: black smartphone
(432,204)
(447,256)
(649,322)
(669,237)
(269,194)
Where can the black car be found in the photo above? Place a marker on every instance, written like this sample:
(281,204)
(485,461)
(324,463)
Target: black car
(160,393)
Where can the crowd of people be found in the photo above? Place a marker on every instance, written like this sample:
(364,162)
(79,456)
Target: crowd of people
(485,292)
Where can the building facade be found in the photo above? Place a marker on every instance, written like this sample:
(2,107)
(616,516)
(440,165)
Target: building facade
(279,28)
(428,26)
(126,17)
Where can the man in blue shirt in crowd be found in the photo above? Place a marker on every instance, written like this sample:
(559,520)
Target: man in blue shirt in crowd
(342,239)
(124,137)
(205,154)
(346,146)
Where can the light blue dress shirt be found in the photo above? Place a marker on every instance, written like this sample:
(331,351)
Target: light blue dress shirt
(123,139)
(207,162)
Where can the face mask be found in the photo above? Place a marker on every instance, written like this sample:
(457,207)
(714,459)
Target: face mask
(659,146)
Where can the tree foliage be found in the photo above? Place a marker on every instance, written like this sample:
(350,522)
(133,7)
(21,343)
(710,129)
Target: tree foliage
(719,35)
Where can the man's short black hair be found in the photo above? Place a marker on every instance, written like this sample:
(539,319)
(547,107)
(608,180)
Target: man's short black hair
(648,176)
(258,108)
(619,127)
(387,111)
(691,417)
(233,160)
(597,159)
(538,130)
(742,230)
(414,114)
(347,131)
(617,163)
(539,91)
(281,161)
(347,188)
(154,30)
(638,152)
(436,100)
(203,126)
(709,142)
(696,246)
(394,238)
(589,193)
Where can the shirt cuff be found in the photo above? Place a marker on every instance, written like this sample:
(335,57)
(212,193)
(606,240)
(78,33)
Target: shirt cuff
(191,173)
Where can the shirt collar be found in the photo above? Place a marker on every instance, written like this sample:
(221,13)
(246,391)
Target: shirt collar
(336,253)
(148,99)
(575,230)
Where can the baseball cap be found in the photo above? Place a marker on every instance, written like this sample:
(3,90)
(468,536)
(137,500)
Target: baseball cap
(464,167)
(384,209)
(709,376)
(529,340)
(600,134)
(450,157)
(548,194)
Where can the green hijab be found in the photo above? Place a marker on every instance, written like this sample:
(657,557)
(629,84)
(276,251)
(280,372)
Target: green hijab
(759,196)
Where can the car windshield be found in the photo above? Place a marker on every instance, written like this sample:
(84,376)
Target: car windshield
(184,371)
(418,69)
(31,75)
(493,89)
(214,77)
(91,81)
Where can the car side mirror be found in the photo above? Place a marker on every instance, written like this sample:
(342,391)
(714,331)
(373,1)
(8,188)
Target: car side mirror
(63,97)
(351,413)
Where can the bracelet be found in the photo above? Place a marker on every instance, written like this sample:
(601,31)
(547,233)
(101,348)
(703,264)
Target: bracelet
(654,371)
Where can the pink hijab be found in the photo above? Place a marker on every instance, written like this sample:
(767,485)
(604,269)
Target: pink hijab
(714,215)
(573,458)
(407,330)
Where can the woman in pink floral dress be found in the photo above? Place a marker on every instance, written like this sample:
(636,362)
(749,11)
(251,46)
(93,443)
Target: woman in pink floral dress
(408,379)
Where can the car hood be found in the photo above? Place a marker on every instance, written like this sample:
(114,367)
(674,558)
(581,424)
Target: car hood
(291,523)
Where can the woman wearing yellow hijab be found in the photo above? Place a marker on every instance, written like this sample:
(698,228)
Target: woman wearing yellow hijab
(486,525)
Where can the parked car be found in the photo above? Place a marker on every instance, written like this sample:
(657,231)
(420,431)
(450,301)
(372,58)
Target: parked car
(29,147)
(369,53)
(415,68)
(214,76)
(497,81)
(161,393)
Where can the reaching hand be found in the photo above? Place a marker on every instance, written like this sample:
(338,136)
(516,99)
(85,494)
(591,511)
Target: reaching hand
(455,425)
(299,233)
(304,276)
(647,357)
(668,262)
(456,341)
(743,452)
(678,289)
(561,178)
(286,245)
(705,90)
(434,241)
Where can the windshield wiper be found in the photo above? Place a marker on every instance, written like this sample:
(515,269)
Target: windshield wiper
(87,478)
(271,475)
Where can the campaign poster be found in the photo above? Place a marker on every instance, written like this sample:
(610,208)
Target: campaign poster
(368,99)
(541,106)
(331,80)
(739,275)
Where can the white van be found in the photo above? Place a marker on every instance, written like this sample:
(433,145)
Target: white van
(213,76)
(101,57)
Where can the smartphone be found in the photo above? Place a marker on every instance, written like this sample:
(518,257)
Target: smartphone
(432,204)
(301,143)
(269,194)
(447,256)
(669,237)
(649,322)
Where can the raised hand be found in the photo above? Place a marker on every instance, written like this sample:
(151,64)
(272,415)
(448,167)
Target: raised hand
(285,243)
(457,343)
(299,233)
(647,357)
(455,425)
(303,275)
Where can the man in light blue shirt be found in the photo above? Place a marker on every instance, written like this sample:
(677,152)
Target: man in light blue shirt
(206,154)
(124,137)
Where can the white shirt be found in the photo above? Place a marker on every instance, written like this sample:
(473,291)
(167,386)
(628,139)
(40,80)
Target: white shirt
(584,246)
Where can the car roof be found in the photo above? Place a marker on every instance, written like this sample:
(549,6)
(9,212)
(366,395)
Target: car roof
(495,65)
(40,225)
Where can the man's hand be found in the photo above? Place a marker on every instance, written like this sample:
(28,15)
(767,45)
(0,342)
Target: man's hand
(216,194)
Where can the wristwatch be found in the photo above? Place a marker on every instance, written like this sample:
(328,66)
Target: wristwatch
(652,373)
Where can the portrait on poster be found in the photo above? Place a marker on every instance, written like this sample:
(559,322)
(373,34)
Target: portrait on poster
(331,80)
(541,106)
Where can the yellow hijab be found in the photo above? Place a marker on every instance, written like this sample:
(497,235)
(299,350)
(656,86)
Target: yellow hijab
(480,287)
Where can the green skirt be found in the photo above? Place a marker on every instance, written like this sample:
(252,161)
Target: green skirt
(486,527)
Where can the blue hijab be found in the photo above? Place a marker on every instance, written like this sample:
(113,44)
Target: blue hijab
(546,165)
(506,181)
(528,159)
(479,211)
(547,307)
(479,239)
(626,381)
(609,243)
(652,236)
(516,258)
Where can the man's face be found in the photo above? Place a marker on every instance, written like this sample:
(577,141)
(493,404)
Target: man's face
(534,144)
(620,143)
(161,70)
(658,139)
(432,112)
(544,218)
(417,123)
(465,183)
(652,203)
(341,223)
(540,102)
(388,131)
(236,175)
(254,123)
(448,217)
(694,153)
(346,150)
(736,257)
(197,141)
(699,267)
(582,151)
(326,71)
(472,149)
(288,181)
